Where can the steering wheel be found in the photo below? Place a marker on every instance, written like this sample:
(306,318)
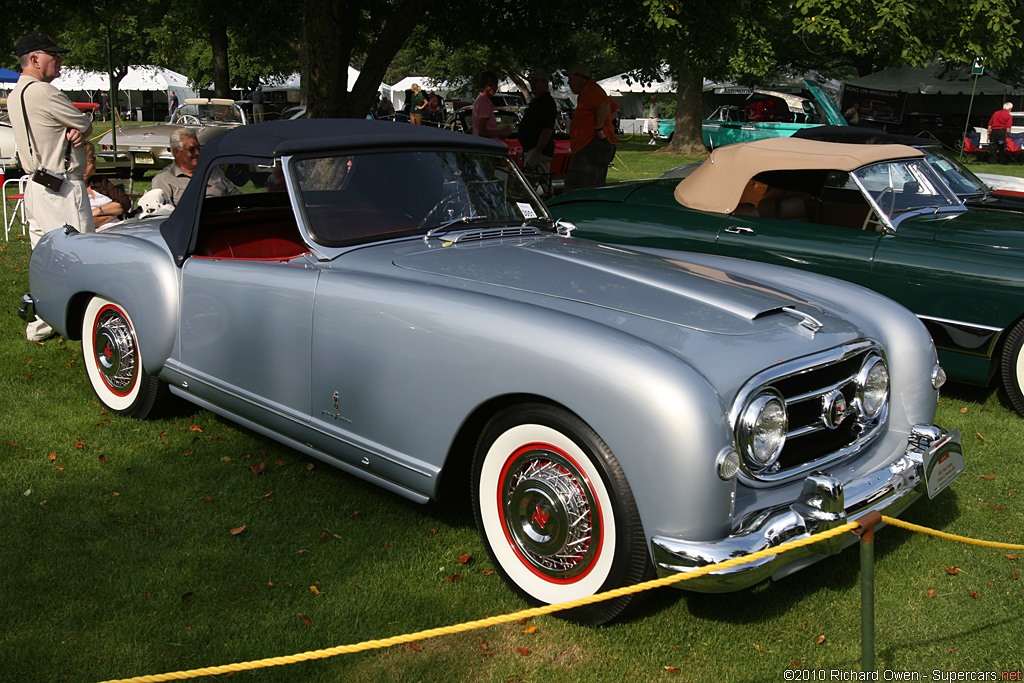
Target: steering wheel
(190,120)
(455,204)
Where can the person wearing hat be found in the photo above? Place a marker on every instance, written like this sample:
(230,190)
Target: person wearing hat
(591,133)
(49,131)
(537,129)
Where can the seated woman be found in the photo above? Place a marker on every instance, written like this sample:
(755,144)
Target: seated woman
(109,202)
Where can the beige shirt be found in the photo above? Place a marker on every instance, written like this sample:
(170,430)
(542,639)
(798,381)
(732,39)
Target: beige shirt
(50,114)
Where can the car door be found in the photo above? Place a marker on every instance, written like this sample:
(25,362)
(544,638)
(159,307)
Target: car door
(245,335)
(796,242)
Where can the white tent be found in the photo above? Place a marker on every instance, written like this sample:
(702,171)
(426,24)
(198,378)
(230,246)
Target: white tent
(73,78)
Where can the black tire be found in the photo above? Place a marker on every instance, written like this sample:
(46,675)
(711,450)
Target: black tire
(535,469)
(114,364)
(1011,367)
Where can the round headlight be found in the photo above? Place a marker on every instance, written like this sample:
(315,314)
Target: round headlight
(938,376)
(874,386)
(763,427)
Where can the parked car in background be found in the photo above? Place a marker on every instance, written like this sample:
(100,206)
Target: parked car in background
(971,189)
(876,215)
(406,309)
(766,114)
(8,149)
(149,146)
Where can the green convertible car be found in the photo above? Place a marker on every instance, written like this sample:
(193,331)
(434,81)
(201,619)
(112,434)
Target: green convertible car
(875,215)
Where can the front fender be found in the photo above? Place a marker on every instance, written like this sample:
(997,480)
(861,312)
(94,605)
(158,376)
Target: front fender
(66,270)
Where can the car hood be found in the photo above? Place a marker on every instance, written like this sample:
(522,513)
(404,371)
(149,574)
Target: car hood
(159,134)
(984,227)
(608,278)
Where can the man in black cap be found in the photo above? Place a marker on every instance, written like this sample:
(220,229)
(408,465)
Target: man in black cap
(49,132)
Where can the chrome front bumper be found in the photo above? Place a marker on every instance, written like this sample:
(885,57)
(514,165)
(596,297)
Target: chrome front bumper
(824,503)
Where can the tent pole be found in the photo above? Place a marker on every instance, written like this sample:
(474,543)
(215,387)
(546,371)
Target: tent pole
(111,100)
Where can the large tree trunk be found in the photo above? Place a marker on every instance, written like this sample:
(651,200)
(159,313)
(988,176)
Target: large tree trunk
(688,138)
(330,28)
(219,44)
(326,62)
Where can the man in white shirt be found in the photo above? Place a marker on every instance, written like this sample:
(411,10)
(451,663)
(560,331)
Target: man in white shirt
(49,131)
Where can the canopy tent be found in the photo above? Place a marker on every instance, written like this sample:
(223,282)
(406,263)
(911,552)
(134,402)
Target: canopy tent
(633,94)
(138,79)
(8,76)
(937,78)
(75,79)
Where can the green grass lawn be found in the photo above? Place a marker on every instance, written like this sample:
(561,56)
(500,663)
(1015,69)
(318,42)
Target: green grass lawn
(146,547)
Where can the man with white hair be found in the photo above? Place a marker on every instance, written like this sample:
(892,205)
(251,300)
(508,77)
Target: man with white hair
(49,132)
(175,178)
(998,126)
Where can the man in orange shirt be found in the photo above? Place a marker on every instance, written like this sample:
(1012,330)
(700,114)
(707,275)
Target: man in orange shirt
(591,133)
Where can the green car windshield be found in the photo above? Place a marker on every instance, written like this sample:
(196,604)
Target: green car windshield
(353,199)
(905,185)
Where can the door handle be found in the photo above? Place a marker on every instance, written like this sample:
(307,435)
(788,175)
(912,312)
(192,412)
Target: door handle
(740,230)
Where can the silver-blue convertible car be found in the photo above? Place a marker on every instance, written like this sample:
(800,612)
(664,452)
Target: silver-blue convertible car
(395,300)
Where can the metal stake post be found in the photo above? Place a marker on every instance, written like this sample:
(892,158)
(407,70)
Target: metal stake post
(867,589)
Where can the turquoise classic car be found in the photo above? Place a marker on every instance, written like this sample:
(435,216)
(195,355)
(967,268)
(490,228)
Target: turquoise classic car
(766,114)
(876,215)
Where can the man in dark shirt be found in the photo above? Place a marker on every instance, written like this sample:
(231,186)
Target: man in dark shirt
(537,129)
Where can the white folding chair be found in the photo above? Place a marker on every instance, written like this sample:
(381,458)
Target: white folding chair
(17,211)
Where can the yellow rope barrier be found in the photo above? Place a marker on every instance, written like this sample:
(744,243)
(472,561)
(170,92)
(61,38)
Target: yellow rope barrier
(547,609)
(491,621)
(950,537)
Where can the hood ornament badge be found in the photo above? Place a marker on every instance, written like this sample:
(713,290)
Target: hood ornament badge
(808,322)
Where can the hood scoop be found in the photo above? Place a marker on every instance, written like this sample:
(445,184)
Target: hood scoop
(669,290)
(470,236)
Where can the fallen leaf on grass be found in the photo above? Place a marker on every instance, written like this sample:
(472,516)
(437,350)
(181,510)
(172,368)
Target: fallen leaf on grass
(316,591)
(761,649)
(523,651)
(974,595)
(414,647)
(931,593)
(51,457)
(79,444)
(988,476)
(821,639)
(195,428)
(963,410)
(453,577)
(530,629)
(1015,577)
(672,669)
(464,558)
(978,434)
(237,530)
(305,621)
(256,469)
(953,571)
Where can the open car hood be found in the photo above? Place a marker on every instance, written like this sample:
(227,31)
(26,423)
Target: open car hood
(668,290)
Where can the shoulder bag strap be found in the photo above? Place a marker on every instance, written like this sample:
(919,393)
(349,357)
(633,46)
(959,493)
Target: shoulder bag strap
(28,129)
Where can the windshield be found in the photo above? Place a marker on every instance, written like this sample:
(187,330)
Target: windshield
(351,199)
(961,180)
(195,114)
(905,185)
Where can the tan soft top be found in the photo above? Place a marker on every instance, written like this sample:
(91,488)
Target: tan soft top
(718,183)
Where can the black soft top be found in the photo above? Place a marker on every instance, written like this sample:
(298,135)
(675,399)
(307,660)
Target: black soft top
(275,139)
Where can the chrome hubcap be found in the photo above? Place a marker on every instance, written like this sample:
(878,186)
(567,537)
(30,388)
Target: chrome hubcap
(549,514)
(115,351)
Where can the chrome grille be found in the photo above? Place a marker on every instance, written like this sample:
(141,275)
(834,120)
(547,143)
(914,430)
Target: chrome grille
(808,385)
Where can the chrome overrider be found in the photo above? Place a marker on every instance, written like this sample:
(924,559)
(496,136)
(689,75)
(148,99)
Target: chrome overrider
(823,504)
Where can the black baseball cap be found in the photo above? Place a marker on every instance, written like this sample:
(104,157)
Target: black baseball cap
(38,41)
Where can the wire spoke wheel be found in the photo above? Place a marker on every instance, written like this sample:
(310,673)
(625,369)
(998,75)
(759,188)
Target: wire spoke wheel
(555,511)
